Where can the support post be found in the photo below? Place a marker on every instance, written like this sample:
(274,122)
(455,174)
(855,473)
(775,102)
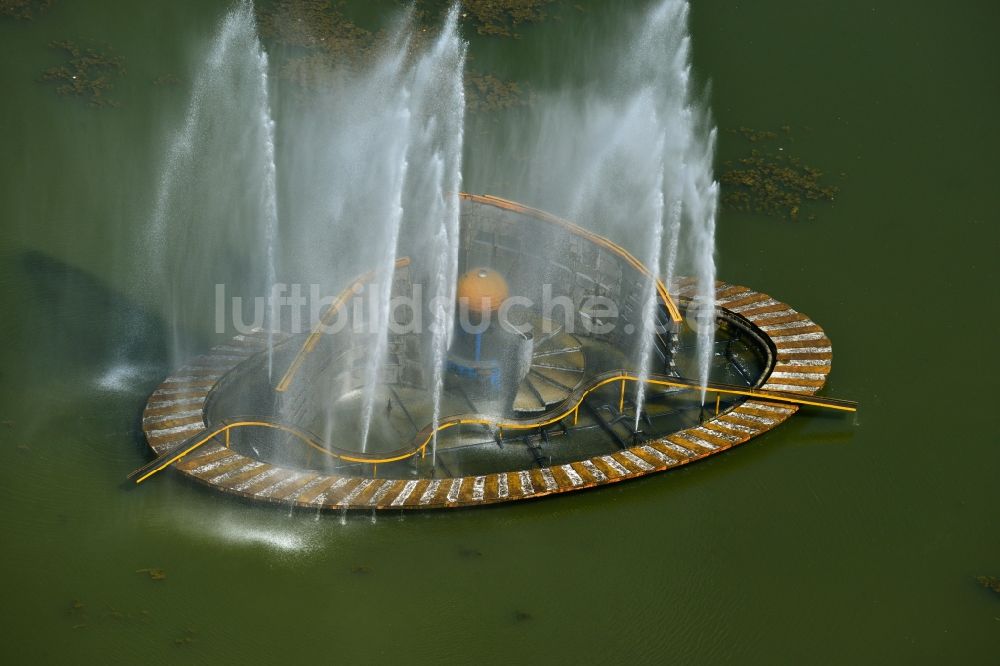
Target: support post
(718,399)
(621,398)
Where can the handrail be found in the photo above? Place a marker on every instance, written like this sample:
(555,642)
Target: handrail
(569,407)
(576,399)
(203,437)
(326,320)
(597,239)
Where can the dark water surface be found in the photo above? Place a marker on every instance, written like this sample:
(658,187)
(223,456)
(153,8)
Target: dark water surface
(822,542)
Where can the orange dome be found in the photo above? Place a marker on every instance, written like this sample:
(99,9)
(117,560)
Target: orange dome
(484,288)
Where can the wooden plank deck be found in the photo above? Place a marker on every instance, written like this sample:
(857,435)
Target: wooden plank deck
(175,412)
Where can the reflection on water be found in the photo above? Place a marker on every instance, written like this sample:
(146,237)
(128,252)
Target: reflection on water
(127,377)
(287,536)
(70,315)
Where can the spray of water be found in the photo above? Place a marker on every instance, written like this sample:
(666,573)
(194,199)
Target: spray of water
(397,167)
(649,314)
(200,220)
(425,128)
(631,156)
(702,195)
(448,136)
(269,203)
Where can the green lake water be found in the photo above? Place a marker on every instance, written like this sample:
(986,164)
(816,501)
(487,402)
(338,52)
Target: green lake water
(824,541)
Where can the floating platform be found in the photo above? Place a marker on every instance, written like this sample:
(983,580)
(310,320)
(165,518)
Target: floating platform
(176,414)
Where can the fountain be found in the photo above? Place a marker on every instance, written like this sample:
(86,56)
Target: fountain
(227,137)
(538,329)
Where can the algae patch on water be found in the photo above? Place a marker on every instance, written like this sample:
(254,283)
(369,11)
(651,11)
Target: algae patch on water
(25,10)
(769,180)
(486,92)
(153,573)
(494,18)
(87,72)
(316,39)
(501,18)
(313,26)
(989,582)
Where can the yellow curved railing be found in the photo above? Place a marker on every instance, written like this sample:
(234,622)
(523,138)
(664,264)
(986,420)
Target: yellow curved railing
(324,321)
(577,230)
(600,381)
(205,436)
(570,407)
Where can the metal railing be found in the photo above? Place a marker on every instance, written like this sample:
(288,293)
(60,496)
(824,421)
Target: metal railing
(569,407)
(596,239)
(327,320)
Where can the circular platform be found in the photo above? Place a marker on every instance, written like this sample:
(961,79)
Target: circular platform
(175,413)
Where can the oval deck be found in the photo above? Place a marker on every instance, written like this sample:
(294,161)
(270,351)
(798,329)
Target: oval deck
(176,411)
